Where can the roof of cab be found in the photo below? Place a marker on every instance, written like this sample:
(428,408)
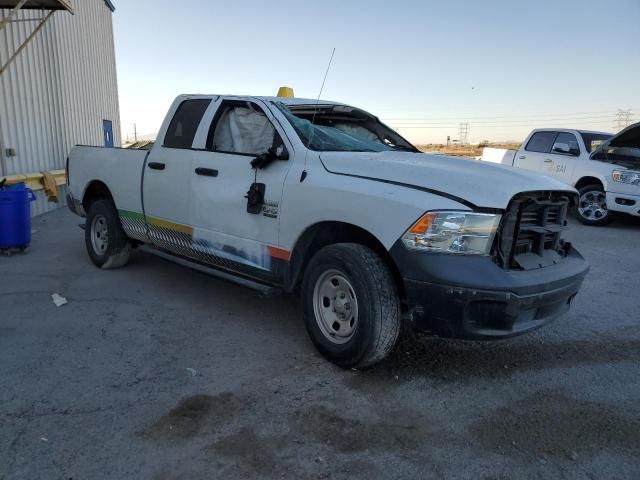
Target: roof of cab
(285,100)
(298,101)
(563,129)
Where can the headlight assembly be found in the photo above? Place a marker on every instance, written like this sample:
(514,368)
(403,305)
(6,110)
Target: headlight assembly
(626,176)
(453,232)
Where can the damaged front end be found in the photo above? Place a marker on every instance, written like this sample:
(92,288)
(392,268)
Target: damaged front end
(530,235)
(529,280)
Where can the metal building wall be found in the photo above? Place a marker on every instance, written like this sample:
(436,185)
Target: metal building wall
(58,90)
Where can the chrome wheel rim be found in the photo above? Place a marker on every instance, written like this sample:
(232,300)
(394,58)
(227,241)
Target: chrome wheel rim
(99,234)
(593,205)
(335,306)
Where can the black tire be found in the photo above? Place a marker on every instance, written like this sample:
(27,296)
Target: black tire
(114,251)
(595,190)
(377,304)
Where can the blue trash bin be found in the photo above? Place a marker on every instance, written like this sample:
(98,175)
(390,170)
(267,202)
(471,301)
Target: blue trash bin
(15,216)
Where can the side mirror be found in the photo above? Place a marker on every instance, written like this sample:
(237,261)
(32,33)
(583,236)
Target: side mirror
(265,159)
(561,148)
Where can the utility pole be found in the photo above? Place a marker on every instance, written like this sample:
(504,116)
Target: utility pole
(623,119)
(135,133)
(463,133)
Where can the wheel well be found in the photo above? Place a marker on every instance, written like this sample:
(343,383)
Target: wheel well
(584,181)
(327,233)
(94,191)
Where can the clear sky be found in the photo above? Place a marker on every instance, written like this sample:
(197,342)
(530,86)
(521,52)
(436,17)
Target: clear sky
(423,66)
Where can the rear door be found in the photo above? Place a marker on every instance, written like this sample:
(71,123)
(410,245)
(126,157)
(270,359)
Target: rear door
(535,154)
(167,177)
(224,232)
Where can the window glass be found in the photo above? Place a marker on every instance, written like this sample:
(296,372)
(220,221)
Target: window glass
(541,142)
(566,139)
(243,129)
(184,124)
(341,128)
(594,140)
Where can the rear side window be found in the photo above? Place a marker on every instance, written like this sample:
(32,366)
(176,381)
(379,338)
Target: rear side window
(184,124)
(541,142)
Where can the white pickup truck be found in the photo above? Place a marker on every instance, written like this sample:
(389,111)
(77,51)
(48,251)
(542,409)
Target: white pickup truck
(322,199)
(605,169)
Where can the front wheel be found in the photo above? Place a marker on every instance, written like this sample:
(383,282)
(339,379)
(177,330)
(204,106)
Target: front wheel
(592,206)
(351,305)
(106,242)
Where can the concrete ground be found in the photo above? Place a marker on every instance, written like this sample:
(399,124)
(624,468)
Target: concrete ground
(155,371)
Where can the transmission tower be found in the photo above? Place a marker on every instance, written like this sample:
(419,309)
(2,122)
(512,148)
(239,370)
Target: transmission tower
(623,119)
(463,133)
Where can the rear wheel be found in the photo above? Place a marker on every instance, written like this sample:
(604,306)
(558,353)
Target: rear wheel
(592,206)
(106,242)
(351,305)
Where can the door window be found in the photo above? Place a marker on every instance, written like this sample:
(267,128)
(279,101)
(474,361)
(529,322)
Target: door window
(541,142)
(241,128)
(184,124)
(566,143)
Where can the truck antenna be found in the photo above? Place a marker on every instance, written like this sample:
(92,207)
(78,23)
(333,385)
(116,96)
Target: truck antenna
(322,86)
(315,110)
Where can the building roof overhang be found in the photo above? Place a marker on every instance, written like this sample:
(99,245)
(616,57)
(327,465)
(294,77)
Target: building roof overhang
(38,5)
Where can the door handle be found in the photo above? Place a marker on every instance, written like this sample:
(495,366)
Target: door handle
(156,165)
(522,157)
(548,160)
(207,172)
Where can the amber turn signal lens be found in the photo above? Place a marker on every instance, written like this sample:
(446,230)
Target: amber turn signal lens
(423,224)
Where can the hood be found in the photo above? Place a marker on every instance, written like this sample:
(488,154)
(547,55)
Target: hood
(623,149)
(471,182)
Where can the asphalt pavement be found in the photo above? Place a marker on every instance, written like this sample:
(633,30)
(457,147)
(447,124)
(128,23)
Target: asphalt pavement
(155,371)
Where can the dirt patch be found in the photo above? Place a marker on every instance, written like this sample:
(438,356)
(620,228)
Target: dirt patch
(349,434)
(314,439)
(194,414)
(556,424)
(251,453)
(419,355)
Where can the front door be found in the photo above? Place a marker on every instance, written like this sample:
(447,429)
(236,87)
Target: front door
(223,228)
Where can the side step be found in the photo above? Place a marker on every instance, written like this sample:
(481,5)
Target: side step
(264,289)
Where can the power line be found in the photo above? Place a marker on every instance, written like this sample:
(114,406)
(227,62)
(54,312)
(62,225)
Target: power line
(453,125)
(492,117)
(463,133)
(623,119)
(506,122)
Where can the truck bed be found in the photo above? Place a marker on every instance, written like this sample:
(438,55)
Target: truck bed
(498,155)
(120,169)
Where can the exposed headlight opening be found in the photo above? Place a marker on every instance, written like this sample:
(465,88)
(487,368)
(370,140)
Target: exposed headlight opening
(459,232)
(626,176)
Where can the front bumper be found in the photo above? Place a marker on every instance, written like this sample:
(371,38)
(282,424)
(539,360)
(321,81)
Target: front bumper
(624,203)
(471,297)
